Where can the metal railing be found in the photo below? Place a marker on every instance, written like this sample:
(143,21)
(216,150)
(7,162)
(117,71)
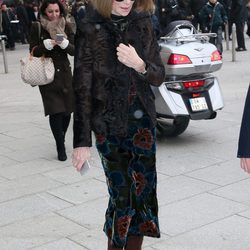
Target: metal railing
(233,43)
(2,41)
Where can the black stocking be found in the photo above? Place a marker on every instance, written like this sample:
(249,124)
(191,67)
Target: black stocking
(66,121)
(59,124)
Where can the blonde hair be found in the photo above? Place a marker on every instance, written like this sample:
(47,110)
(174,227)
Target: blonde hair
(104,7)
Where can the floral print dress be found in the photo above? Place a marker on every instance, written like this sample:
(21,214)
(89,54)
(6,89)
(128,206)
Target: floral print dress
(129,166)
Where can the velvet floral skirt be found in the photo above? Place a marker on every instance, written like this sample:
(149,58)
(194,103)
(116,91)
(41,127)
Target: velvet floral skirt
(129,166)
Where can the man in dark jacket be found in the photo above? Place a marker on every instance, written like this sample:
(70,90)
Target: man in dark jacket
(24,22)
(172,10)
(238,15)
(195,7)
(6,27)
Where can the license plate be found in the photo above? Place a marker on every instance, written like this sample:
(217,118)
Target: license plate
(198,104)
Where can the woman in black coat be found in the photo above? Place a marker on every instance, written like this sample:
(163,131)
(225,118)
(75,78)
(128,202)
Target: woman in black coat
(57,96)
(116,62)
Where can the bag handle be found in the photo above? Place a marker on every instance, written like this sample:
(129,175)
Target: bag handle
(39,35)
(39,30)
(31,54)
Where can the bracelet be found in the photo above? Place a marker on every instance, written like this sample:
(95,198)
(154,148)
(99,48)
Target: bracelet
(143,73)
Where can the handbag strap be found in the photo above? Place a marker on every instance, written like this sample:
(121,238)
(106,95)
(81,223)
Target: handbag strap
(39,36)
(39,30)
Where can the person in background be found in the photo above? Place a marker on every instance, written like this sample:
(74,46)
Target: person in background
(36,11)
(6,27)
(32,11)
(117,61)
(79,10)
(213,17)
(57,96)
(14,25)
(238,15)
(155,20)
(1,21)
(248,18)
(244,137)
(172,10)
(195,7)
(24,22)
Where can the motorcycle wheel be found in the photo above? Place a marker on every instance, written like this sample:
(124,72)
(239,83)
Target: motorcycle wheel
(172,127)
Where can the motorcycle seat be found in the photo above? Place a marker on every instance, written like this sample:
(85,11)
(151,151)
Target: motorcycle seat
(181,24)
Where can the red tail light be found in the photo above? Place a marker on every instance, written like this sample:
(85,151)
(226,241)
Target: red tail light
(178,59)
(215,56)
(194,84)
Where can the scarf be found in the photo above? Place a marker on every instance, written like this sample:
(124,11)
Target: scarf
(120,22)
(54,27)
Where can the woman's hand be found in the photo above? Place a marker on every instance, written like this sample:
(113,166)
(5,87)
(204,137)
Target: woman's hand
(79,156)
(53,42)
(245,164)
(49,44)
(63,44)
(129,57)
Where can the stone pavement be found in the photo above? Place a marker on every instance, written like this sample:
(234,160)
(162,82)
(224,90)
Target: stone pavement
(204,196)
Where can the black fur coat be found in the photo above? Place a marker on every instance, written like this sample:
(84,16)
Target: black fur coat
(101,83)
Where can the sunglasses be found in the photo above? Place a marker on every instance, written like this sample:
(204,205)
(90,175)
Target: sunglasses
(123,0)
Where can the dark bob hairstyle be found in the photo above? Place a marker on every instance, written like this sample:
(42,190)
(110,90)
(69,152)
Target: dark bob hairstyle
(45,4)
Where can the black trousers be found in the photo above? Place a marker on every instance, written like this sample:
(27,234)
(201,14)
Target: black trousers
(239,33)
(10,38)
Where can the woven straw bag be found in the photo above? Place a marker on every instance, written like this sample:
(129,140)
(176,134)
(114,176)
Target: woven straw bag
(37,70)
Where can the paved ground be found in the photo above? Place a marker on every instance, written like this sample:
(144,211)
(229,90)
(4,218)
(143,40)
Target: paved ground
(204,196)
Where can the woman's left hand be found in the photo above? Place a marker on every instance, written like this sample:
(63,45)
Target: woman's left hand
(63,44)
(129,57)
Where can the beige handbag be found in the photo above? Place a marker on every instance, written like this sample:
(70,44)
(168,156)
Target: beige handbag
(37,70)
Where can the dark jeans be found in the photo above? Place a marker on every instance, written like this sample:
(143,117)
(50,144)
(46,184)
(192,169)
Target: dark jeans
(217,41)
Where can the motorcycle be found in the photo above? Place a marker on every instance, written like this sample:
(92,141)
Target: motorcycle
(190,91)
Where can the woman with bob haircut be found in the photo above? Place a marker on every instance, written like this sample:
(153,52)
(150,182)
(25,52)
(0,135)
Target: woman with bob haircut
(57,96)
(116,62)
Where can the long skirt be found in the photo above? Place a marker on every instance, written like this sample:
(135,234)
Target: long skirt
(129,166)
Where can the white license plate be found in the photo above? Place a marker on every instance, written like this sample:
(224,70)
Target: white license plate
(198,104)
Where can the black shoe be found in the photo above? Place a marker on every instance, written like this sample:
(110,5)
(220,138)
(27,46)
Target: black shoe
(240,49)
(61,154)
